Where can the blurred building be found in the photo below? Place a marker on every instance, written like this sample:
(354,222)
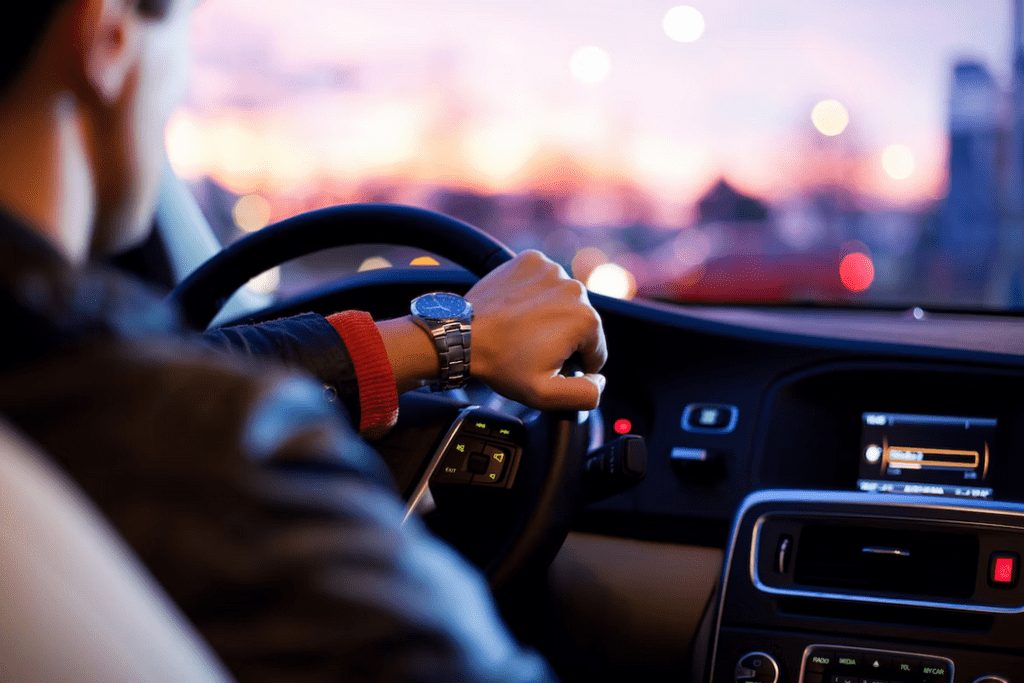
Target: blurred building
(980,243)
(969,229)
(1007,284)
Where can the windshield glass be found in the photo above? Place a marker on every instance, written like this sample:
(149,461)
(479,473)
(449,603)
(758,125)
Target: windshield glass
(834,151)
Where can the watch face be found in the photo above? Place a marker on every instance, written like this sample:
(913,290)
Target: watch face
(441,306)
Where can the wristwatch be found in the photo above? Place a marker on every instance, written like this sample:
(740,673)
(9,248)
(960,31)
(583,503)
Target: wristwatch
(447,317)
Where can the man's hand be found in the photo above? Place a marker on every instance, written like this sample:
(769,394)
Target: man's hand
(529,317)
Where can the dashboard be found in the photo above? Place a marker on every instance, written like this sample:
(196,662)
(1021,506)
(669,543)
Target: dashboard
(778,433)
(864,481)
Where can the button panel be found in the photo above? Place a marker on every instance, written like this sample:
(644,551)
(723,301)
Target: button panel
(484,452)
(832,664)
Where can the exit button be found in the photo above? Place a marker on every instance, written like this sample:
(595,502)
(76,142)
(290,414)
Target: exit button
(1003,569)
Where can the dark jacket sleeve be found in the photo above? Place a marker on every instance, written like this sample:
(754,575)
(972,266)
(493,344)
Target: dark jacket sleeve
(268,521)
(307,342)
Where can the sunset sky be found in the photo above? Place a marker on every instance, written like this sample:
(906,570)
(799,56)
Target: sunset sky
(499,96)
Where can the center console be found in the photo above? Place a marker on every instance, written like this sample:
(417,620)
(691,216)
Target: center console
(869,587)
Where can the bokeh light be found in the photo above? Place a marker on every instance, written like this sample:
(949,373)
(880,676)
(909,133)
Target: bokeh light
(424,261)
(251,213)
(374,263)
(623,426)
(590,64)
(266,283)
(856,271)
(898,162)
(683,24)
(830,117)
(585,261)
(612,280)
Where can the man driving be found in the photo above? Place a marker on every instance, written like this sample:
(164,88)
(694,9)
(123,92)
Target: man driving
(269,522)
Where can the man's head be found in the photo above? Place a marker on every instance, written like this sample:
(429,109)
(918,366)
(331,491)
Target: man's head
(95,81)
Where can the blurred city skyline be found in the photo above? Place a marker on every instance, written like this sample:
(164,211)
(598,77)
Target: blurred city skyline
(482,96)
(768,150)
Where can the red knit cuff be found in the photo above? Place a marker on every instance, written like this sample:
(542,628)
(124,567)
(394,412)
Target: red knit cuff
(378,396)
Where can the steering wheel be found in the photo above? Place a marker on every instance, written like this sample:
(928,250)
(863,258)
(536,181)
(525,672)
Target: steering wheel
(503,531)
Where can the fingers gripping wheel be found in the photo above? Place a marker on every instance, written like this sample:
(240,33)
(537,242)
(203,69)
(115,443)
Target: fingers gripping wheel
(537,497)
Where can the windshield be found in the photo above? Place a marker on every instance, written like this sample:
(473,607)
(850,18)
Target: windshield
(834,151)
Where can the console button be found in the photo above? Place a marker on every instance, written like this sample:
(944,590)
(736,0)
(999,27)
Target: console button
(935,672)
(819,659)
(849,660)
(1003,569)
(845,678)
(713,418)
(906,666)
(877,664)
(757,667)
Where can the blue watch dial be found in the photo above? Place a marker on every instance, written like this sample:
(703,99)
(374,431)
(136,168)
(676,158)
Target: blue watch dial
(441,306)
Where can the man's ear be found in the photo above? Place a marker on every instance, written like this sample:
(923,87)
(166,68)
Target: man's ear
(109,41)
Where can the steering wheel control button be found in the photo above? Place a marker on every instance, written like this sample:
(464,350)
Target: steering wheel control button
(710,418)
(757,667)
(477,426)
(495,460)
(1003,570)
(455,464)
(477,463)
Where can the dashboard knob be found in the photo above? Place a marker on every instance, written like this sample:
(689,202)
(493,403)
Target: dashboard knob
(757,667)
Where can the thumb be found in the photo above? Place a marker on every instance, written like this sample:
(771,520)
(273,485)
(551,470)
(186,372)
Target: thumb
(582,392)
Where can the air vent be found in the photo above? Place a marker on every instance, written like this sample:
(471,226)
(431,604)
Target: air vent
(891,561)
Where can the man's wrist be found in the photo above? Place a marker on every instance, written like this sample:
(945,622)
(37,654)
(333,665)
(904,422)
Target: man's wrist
(411,351)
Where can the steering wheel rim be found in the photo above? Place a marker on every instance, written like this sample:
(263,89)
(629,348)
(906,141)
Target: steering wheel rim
(201,295)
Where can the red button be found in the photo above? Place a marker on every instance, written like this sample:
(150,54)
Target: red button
(1003,569)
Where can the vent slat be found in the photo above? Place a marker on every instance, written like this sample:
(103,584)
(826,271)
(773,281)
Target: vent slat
(926,564)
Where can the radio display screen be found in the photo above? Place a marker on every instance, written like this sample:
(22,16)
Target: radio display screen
(926,454)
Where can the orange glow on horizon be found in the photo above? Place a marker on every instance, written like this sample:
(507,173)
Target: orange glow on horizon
(264,153)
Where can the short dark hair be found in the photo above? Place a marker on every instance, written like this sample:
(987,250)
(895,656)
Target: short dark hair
(22,31)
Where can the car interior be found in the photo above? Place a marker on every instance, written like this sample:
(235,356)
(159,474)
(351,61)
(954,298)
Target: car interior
(801,487)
